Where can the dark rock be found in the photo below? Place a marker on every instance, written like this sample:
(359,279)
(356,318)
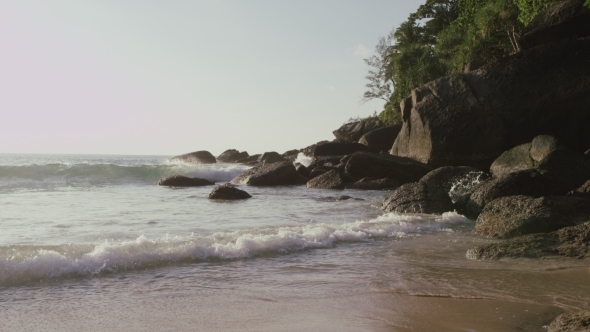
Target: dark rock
(513,160)
(228,192)
(317,171)
(528,182)
(507,217)
(329,180)
(373,184)
(352,132)
(338,198)
(473,65)
(403,170)
(415,198)
(249,159)
(325,161)
(571,241)
(570,167)
(381,139)
(290,153)
(183,181)
(275,174)
(564,20)
(582,191)
(339,149)
(471,119)
(197,157)
(578,321)
(231,156)
(542,146)
(271,157)
(444,180)
(302,170)
(308,151)
(587,152)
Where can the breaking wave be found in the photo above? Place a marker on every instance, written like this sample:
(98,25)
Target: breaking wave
(26,263)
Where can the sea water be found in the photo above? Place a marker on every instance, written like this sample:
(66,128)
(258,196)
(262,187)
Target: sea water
(90,242)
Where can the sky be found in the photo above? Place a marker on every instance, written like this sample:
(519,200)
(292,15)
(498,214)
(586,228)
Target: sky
(149,77)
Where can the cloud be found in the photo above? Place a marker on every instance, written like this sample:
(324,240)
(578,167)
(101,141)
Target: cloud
(359,50)
(331,88)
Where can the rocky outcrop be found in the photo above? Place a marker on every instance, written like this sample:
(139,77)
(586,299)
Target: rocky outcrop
(381,139)
(373,184)
(415,198)
(197,157)
(302,170)
(317,171)
(403,170)
(231,156)
(308,151)
(571,241)
(571,168)
(528,182)
(253,159)
(582,191)
(352,132)
(228,192)
(330,180)
(578,321)
(507,217)
(473,65)
(271,157)
(275,174)
(565,20)
(470,119)
(183,181)
(339,149)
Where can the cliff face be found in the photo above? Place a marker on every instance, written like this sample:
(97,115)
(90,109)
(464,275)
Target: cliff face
(470,119)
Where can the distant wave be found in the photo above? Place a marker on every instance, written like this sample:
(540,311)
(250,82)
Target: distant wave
(55,175)
(27,263)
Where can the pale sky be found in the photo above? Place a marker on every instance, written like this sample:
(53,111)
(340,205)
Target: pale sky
(170,77)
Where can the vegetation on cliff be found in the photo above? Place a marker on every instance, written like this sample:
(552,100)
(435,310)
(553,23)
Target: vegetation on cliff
(440,38)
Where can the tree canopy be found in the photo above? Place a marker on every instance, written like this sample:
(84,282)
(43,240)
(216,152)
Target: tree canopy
(440,38)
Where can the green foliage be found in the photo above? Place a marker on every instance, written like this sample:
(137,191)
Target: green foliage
(587,3)
(530,8)
(390,114)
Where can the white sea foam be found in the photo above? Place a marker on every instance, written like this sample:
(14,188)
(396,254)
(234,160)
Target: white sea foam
(303,159)
(463,185)
(18,264)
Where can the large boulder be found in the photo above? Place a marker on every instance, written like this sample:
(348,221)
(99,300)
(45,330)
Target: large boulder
(231,156)
(415,198)
(582,191)
(250,160)
(228,192)
(572,168)
(330,180)
(578,321)
(352,132)
(573,241)
(472,118)
(339,149)
(373,184)
(183,181)
(511,216)
(275,174)
(309,150)
(197,157)
(564,20)
(379,166)
(381,139)
(528,182)
(271,157)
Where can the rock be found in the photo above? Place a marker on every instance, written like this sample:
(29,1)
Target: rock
(275,174)
(308,151)
(513,160)
(197,157)
(249,160)
(339,149)
(381,139)
(402,170)
(473,65)
(528,182)
(329,180)
(302,170)
(352,132)
(271,157)
(582,191)
(317,171)
(570,167)
(325,161)
(512,216)
(445,180)
(542,146)
(578,321)
(290,153)
(231,156)
(338,198)
(471,119)
(228,192)
(415,198)
(373,184)
(571,241)
(564,20)
(183,181)
(587,152)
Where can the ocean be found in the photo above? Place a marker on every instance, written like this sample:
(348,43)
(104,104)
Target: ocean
(91,243)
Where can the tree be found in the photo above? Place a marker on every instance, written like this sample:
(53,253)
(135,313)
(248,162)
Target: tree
(379,86)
